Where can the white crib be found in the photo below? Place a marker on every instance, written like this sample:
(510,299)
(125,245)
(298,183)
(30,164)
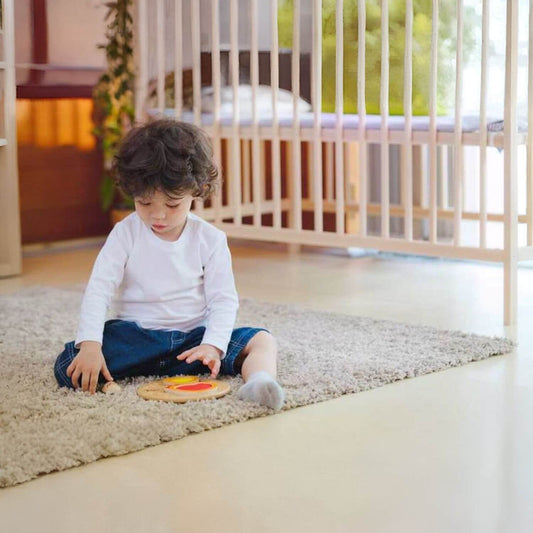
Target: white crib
(302,177)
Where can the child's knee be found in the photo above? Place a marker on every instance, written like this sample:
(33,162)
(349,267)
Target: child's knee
(262,339)
(60,367)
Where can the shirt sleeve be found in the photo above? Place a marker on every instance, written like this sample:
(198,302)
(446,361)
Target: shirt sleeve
(221,297)
(106,276)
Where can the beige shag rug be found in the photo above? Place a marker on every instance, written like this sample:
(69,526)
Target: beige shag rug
(321,356)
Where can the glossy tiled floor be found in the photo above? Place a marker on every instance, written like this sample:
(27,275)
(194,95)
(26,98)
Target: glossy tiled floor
(448,452)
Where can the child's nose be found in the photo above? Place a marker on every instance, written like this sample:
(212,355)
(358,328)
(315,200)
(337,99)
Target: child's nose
(158,213)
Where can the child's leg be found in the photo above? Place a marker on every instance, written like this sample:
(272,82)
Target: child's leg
(260,354)
(128,351)
(259,372)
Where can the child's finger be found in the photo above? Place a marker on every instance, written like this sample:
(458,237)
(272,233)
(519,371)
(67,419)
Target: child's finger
(215,368)
(105,372)
(75,377)
(194,356)
(93,381)
(70,369)
(85,381)
(184,354)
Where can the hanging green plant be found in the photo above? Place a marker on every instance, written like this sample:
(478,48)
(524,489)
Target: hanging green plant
(113,95)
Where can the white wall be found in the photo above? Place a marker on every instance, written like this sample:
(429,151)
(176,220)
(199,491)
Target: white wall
(263,26)
(185,37)
(22,31)
(75,28)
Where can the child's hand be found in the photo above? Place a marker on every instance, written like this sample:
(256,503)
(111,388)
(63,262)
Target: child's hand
(208,354)
(88,364)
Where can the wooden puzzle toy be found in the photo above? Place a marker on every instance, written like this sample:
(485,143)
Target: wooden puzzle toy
(183,389)
(111,387)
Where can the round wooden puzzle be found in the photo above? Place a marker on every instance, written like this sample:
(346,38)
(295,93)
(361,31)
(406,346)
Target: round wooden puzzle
(183,389)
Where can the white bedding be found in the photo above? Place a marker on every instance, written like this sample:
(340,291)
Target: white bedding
(470,123)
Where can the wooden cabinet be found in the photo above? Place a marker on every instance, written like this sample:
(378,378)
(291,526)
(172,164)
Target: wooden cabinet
(60,170)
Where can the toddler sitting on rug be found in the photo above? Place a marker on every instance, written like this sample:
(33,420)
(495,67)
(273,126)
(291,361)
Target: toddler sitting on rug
(176,302)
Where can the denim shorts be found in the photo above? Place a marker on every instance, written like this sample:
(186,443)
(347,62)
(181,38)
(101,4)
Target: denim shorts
(130,350)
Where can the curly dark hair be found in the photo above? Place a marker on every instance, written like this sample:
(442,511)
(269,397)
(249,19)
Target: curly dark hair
(173,157)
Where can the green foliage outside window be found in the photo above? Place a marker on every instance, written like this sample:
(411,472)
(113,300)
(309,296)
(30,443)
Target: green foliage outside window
(422,21)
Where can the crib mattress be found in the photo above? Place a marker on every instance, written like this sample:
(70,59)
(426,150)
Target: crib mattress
(350,122)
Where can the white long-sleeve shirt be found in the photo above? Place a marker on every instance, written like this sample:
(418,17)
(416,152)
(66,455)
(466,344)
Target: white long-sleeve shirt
(170,285)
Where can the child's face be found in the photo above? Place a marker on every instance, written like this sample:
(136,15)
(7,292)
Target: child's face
(164,215)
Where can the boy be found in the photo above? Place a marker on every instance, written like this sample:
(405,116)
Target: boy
(176,302)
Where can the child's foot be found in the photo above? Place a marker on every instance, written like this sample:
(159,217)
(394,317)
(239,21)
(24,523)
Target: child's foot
(262,388)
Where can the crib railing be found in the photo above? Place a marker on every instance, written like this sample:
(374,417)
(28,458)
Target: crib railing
(306,178)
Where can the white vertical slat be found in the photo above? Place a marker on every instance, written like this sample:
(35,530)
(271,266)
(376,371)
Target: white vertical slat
(178,58)
(196,63)
(444,176)
(350,171)
(339,105)
(274,81)
(433,125)
(160,43)
(361,110)
(458,130)
(215,68)
(530,135)
(262,166)
(510,170)
(10,248)
(246,193)
(235,176)
(329,163)
(422,166)
(228,171)
(483,126)
(296,143)
(407,160)
(384,109)
(196,78)
(141,56)
(309,175)
(317,119)
(256,143)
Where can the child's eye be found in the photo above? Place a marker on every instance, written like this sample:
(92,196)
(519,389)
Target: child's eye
(143,203)
(173,206)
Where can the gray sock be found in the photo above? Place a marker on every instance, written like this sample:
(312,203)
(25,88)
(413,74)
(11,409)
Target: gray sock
(262,388)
